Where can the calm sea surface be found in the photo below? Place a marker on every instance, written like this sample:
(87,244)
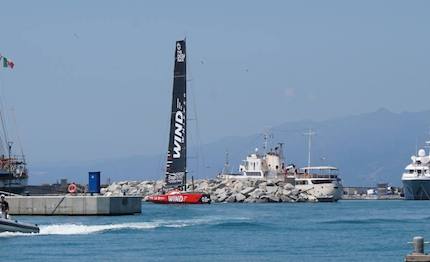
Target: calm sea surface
(343,231)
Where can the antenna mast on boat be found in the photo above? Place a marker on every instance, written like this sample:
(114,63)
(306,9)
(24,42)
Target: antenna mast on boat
(266,136)
(310,133)
(226,169)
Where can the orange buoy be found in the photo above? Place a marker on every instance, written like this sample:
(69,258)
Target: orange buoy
(72,188)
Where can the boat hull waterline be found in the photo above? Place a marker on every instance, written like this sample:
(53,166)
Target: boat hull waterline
(417,189)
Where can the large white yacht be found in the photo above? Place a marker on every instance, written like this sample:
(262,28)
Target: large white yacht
(416,178)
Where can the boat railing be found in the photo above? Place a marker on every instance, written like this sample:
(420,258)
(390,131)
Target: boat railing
(315,176)
(13,159)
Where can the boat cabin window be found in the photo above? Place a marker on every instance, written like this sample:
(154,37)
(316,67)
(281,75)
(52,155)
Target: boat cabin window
(301,182)
(419,171)
(253,173)
(321,181)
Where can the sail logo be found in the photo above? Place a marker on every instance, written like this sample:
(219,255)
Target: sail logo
(179,133)
(180,55)
(177,199)
(175,178)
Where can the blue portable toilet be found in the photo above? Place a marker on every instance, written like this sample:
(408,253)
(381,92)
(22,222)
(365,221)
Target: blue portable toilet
(94,182)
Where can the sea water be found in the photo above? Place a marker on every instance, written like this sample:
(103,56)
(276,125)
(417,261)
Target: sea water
(343,231)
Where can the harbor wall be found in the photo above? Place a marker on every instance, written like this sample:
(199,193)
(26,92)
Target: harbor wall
(74,205)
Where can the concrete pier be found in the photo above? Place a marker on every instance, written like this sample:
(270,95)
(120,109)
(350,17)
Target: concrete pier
(70,205)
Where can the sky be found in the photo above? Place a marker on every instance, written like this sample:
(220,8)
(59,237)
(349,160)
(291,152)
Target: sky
(93,79)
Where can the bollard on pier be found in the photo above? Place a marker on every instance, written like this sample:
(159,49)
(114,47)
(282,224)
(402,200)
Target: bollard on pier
(418,254)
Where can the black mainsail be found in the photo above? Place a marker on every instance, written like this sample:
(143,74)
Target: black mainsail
(176,155)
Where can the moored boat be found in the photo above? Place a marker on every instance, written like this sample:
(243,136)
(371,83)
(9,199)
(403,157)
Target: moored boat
(176,190)
(13,168)
(323,182)
(416,177)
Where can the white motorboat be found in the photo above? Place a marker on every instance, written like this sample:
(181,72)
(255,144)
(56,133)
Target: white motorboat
(323,182)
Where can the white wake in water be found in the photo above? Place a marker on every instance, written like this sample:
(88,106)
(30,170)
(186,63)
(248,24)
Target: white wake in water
(77,229)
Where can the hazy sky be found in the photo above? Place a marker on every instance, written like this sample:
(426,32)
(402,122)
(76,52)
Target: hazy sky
(93,79)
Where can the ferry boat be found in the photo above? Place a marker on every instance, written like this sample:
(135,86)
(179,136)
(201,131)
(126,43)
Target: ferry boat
(176,190)
(416,177)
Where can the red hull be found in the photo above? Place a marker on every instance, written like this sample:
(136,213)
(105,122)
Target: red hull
(180,198)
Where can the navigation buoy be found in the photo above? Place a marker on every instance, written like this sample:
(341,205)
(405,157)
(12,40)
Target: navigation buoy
(72,188)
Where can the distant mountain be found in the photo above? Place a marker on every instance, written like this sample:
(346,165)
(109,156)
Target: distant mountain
(367,148)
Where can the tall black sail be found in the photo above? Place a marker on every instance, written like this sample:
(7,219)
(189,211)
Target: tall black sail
(177,151)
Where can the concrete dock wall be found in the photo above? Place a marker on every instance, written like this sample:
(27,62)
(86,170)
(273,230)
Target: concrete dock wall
(74,205)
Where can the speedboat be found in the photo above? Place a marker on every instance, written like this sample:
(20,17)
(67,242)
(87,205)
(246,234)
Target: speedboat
(10,225)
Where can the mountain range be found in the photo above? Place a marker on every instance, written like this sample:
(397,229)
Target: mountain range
(367,148)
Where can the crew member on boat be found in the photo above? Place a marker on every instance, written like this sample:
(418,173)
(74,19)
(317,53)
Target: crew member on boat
(4,205)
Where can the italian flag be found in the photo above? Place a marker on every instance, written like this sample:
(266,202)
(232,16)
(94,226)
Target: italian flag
(7,62)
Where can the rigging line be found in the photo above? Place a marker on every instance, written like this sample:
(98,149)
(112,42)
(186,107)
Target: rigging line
(17,134)
(200,155)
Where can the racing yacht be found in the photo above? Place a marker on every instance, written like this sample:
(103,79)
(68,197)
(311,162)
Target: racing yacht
(176,190)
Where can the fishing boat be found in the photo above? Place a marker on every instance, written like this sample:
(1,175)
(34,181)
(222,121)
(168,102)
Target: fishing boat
(175,190)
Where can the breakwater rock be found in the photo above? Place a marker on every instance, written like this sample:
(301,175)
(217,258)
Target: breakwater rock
(247,191)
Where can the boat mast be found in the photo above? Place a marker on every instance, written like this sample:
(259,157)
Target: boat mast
(310,133)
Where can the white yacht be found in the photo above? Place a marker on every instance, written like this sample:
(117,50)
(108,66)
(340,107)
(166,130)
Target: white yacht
(321,181)
(416,178)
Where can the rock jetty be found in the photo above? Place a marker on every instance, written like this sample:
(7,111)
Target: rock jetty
(228,191)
